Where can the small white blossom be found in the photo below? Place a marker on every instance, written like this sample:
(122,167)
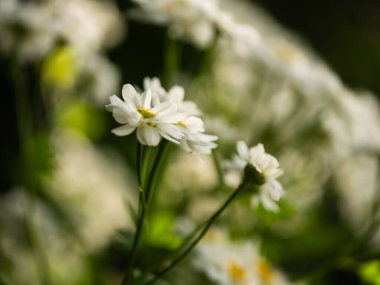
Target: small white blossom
(195,140)
(267,165)
(151,122)
(157,113)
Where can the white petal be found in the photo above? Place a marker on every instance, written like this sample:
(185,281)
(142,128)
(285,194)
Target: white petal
(146,98)
(123,130)
(176,94)
(268,203)
(275,189)
(194,124)
(189,108)
(120,116)
(164,108)
(116,101)
(148,135)
(128,92)
(171,131)
(242,150)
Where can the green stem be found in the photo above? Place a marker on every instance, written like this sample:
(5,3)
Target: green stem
(26,135)
(171,61)
(190,247)
(128,278)
(218,167)
(157,164)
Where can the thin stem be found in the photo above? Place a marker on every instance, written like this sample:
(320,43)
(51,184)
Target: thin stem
(26,135)
(139,159)
(210,221)
(157,164)
(171,61)
(141,217)
(218,167)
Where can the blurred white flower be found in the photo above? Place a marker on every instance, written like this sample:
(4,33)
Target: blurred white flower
(30,30)
(94,186)
(198,174)
(267,165)
(27,29)
(230,263)
(192,20)
(89,24)
(137,112)
(100,75)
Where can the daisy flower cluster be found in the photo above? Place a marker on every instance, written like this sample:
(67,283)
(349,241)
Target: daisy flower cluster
(156,113)
(266,171)
(228,262)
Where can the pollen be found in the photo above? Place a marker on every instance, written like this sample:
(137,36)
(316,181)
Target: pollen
(236,271)
(146,114)
(265,271)
(181,124)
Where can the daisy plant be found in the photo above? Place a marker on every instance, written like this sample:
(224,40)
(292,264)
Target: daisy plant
(158,117)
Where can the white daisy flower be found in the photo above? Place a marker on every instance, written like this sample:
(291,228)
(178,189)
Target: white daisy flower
(151,122)
(270,191)
(195,140)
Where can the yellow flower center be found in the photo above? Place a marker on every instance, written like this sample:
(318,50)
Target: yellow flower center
(285,52)
(145,113)
(236,271)
(181,124)
(265,271)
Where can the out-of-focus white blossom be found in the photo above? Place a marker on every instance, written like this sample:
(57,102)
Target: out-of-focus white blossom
(192,20)
(30,30)
(267,165)
(27,29)
(89,24)
(94,187)
(229,263)
(357,183)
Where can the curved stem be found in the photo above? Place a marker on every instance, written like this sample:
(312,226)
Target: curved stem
(190,247)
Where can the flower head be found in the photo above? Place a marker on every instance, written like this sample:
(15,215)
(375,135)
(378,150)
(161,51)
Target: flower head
(266,170)
(151,122)
(157,113)
(195,140)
